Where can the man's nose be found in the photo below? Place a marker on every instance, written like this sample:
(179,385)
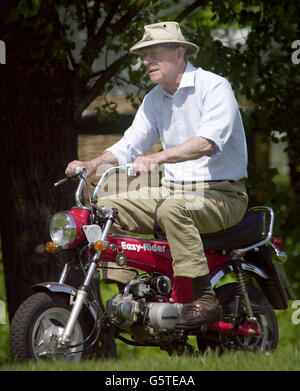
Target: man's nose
(147,60)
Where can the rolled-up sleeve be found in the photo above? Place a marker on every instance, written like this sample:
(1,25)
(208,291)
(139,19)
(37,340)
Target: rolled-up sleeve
(139,138)
(220,110)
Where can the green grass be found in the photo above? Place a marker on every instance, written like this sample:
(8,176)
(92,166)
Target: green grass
(281,360)
(285,358)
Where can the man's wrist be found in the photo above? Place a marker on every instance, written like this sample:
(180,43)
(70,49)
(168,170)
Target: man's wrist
(106,159)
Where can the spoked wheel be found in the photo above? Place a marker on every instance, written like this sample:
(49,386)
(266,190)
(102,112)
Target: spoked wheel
(263,312)
(38,324)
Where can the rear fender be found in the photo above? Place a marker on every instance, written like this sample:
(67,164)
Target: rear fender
(277,288)
(226,269)
(56,287)
(268,281)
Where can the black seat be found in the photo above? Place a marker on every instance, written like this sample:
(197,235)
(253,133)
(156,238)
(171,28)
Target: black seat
(249,231)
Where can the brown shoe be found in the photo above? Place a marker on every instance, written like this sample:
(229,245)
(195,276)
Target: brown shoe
(196,315)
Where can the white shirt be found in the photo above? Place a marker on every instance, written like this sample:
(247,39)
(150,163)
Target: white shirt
(203,105)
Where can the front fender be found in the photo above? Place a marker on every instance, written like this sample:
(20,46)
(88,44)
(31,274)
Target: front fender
(56,287)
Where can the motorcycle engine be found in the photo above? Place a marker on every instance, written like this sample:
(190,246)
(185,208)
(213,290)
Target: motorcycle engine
(123,310)
(163,316)
(130,311)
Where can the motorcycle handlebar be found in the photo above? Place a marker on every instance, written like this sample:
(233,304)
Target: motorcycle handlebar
(81,172)
(125,169)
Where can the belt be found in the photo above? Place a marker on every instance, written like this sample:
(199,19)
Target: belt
(195,182)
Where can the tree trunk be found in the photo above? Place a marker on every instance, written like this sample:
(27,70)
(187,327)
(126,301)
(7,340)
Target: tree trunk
(294,166)
(37,139)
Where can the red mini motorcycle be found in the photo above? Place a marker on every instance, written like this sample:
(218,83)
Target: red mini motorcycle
(61,321)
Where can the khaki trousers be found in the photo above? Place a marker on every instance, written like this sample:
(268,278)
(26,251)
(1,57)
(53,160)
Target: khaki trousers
(183,212)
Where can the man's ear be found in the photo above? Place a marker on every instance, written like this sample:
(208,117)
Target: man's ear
(180,52)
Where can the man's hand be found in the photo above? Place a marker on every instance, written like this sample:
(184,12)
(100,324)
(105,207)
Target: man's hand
(90,167)
(145,163)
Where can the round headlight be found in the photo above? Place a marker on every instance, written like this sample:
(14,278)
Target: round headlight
(63,229)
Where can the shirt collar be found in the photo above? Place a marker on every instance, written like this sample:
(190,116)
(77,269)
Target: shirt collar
(187,80)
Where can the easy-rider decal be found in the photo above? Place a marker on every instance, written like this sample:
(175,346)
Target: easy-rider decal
(145,247)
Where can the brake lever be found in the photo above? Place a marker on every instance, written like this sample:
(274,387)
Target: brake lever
(60,182)
(79,172)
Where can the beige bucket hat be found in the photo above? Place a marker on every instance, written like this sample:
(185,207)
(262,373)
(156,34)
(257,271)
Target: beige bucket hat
(163,33)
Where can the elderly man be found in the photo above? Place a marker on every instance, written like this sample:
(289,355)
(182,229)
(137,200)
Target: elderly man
(195,115)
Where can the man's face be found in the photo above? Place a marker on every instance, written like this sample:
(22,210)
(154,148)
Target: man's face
(162,63)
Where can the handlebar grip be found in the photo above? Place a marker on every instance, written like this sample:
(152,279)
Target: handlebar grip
(80,170)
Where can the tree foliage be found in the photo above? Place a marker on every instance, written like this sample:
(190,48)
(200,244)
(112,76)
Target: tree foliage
(92,39)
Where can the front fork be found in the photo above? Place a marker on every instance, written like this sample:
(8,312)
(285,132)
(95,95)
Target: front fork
(82,291)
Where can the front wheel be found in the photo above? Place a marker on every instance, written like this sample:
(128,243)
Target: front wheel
(38,324)
(262,310)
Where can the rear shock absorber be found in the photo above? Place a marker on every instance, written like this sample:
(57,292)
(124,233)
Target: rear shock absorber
(243,291)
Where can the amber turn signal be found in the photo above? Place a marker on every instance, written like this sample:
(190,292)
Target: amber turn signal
(99,245)
(50,247)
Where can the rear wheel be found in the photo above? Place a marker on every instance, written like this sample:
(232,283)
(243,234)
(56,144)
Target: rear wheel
(262,310)
(38,324)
